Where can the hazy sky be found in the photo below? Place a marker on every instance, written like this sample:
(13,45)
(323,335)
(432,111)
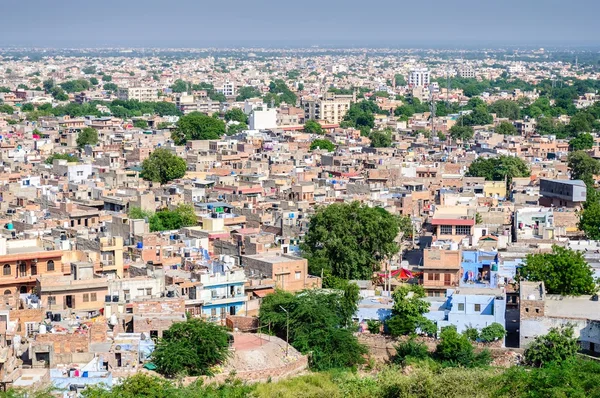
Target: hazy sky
(197,23)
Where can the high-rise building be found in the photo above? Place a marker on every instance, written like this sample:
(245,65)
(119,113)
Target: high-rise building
(419,77)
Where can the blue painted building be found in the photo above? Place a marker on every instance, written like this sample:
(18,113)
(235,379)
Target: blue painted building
(222,291)
(479,269)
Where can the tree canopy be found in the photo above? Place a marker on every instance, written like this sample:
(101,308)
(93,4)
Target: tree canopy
(197,126)
(170,220)
(163,166)
(313,127)
(349,240)
(319,322)
(322,144)
(407,314)
(463,133)
(87,136)
(66,156)
(381,139)
(506,128)
(581,142)
(563,271)
(499,168)
(191,348)
(236,115)
(555,347)
(583,167)
(247,92)
(506,109)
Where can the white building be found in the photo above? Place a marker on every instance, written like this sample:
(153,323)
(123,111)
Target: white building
(419,77)
(142,94)
(228,89)
(263,119)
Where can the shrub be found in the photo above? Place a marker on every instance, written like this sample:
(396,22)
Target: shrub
(410,349)
(493,332)
(374,326)
(455,349)
(471,333)
(557,346)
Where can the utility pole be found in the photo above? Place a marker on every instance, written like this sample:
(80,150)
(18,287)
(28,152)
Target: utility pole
(287,332)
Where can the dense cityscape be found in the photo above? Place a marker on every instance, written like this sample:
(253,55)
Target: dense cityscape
(299,222)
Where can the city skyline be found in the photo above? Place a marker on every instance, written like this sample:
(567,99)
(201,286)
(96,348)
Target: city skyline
(312,23)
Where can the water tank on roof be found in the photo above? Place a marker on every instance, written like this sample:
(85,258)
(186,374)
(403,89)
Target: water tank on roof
(209,207)
(10,226)
(42,329)
(140,245)
(453,246)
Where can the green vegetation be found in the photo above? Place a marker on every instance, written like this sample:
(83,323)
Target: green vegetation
(234,128)
(463,133)
(197,126)
(191,348)
(564,271)
(75,86)
(163,166)
(140,124)
(499,168)
(506,109)
(110,87)
(87,136)
(381,139)
(581,142)
(313,127)
(319,322)
(583,167)
(506,128)
(407,314)
(167,220)
(279,92)
(322,144)
(557,346)
(236,115)
(455,349)
(493,332)
(247,92)
(348,241)
(589,218)
(5,108)
(65,156)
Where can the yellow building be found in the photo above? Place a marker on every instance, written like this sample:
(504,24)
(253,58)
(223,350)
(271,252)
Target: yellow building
(494,189)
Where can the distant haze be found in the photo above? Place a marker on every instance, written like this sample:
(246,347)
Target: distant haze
(268,23)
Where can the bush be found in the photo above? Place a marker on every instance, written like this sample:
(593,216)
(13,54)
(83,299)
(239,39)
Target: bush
(455,349)
(471,333)
(374,326)
(557,346)
(493,332)
(410,349)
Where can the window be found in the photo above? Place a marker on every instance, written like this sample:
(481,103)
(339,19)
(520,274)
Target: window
(80,173)
(445,229)
(477,307)
(463,230)
(461,306)
(436,277)
(213,312)
(148,291)
(51,300)
(86,297)
(50,266)
(298,275)
(6,270)
(429,277)
(7,292)
(93,297)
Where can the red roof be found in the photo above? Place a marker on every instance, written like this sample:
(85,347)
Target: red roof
(452,221)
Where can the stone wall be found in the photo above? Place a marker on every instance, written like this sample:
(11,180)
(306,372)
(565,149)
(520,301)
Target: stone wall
(242,323)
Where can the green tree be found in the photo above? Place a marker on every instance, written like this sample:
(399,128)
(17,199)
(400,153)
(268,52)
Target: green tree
(322,144)
(110,87)
(87,136)
(582,122)
(5,108)
(59,94)
(136,213)
(197,126)
(471,333)
(410,349)
(191,348)
(381,139)
(349,240)
(163,166)
(48,85)
(408,310)
(400,80)
(492,332)
(583,167)
(313,127)
(237,115)
(68,157)
(179,86)
(506,128)
(506,109)
(499,168)
(247,92)
(557,346)
(589,218)
(89,70)
(140,124)
(235,128)
(75,86)
(94,81)
(169,220)
(479,116)
(107,78)
(564,271)
(581,141)
(27,107)
(319,323)
(455,349)
(463,133)
(138,385)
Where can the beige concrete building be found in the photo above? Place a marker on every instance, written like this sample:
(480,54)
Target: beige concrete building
(142,94)
(331,108)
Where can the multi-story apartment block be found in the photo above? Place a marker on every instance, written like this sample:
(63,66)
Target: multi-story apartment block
(419,77)
(142,94)
(331,108)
